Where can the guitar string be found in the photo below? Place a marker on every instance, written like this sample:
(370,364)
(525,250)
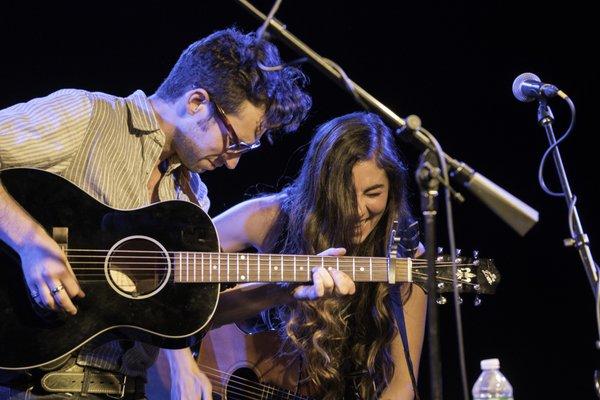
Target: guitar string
(417,274)
(160,266)
(241,278)
(248,389)
(241,256)
(214,260)
(213,372)
(233,389)
(253,385)
(232,255)
(226,257)
(255,261)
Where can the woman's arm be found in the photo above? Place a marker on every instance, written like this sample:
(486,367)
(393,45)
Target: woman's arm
(415,309)
(248,225)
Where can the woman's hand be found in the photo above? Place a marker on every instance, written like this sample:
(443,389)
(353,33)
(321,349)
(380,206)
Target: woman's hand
(326,282)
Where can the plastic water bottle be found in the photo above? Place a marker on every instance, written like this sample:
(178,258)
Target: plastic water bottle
(492,384)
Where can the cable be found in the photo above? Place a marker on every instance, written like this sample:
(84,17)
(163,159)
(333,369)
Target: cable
(452,241)
(552,147)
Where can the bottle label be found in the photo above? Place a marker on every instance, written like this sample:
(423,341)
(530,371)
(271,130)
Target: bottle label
(493,398)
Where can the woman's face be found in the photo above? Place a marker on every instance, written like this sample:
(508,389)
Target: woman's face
(371,185)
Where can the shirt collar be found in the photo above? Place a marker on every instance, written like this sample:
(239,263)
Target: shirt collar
(142,118)
(141,113)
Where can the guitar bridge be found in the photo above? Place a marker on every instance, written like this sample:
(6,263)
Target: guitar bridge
(61,236)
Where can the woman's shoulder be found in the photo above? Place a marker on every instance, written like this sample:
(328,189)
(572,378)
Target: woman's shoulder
(267,206)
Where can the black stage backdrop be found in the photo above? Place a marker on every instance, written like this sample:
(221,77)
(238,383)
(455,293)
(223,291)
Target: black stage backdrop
(453,65)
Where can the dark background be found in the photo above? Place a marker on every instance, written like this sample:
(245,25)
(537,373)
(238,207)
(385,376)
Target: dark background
(453,65)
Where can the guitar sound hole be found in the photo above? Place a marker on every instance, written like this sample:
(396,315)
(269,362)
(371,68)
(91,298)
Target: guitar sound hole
(137,267)
(243,384)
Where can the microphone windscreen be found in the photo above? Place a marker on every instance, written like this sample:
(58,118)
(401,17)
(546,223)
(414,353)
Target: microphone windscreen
(518,82)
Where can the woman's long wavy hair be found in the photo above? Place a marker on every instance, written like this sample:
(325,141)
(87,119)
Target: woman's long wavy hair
(338,336)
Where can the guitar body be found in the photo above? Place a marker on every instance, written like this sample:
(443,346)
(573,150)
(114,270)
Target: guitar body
(239,367)
(243,366)
(126,297)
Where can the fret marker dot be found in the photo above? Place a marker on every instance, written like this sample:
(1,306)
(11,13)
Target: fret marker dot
(214,267)
(243,277)
(362,268)
(329,268)
(242,257)
(275,268)
(301,268)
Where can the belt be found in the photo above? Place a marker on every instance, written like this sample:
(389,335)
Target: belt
(84,380)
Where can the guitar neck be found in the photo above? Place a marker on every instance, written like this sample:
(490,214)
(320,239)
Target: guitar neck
(192,267)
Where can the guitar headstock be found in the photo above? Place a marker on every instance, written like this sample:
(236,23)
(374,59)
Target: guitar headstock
(473,274)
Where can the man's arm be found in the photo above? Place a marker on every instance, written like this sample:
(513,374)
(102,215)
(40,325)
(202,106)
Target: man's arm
(187,381)
(42,133)
(44,264)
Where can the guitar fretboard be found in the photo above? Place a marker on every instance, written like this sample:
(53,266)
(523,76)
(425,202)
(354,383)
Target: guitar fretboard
(242,267)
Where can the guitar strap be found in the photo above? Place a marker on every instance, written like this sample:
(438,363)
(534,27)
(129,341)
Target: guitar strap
(401,325)
(183,179)
(408,246)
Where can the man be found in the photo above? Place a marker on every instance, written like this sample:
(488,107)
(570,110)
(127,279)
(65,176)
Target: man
(218,101)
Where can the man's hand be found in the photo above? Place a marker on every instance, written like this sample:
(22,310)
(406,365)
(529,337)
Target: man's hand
(187,381)
(48,274)
(326,282)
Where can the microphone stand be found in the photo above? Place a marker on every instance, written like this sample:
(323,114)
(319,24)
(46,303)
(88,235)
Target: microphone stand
(580,239)
(427,178)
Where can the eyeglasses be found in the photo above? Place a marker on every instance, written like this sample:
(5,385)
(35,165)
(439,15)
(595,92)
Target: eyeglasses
(236,146)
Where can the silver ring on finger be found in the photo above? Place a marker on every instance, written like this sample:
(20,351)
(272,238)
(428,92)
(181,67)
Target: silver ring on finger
(34,294)
(57,289)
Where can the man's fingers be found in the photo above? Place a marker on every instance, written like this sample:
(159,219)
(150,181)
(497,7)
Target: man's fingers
(72,287)
(45,296)
(61,297)
(72,284)
(206,390)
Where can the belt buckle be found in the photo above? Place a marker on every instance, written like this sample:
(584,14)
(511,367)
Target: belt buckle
(123,386)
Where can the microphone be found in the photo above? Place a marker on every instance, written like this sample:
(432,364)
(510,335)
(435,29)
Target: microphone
(528,87)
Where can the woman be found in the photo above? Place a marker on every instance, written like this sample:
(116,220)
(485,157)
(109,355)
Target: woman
(350,189)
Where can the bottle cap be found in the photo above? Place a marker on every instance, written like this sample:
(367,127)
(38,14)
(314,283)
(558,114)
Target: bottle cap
(492,363)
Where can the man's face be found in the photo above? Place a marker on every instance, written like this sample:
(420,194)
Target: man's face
(203,137)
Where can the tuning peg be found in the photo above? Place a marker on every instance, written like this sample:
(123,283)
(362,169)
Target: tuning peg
(459,286)
(477,301)
(476,287)
(458,251)
(441,300)
(440,285)
(475,254)
(440,251)
(460,300)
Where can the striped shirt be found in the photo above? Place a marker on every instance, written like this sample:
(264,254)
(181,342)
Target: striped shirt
(108,146)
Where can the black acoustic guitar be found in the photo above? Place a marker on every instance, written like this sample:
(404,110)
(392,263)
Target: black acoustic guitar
(152,274)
